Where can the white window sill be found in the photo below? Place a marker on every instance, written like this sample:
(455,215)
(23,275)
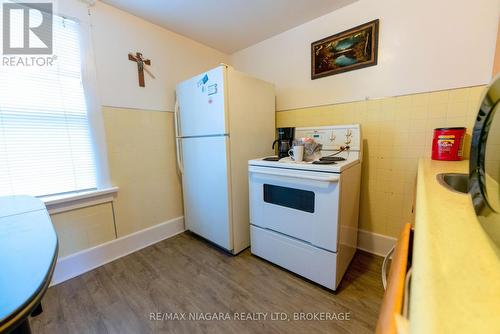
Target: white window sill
(77,200)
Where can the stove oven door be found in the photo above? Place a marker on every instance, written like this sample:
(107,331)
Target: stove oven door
(300,204)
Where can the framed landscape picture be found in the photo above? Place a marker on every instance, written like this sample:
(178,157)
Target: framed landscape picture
(346,51)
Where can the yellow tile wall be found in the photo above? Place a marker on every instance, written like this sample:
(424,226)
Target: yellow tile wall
(142,163)
(396,132)
(83,228)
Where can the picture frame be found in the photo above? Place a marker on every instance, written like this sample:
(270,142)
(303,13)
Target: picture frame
(348,50)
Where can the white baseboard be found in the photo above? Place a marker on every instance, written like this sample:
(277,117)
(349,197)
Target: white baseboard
(375,243)
(88,259)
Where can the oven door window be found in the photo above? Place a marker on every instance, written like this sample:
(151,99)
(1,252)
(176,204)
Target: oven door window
(298,199)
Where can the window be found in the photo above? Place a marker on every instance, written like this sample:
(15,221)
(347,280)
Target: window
(45,141)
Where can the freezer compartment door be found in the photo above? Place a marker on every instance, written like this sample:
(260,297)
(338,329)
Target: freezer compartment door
(202,105)
(206,188)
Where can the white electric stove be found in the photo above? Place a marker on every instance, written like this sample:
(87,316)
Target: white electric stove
(304,215)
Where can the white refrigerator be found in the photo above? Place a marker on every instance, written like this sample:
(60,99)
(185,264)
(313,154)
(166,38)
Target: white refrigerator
(223,118)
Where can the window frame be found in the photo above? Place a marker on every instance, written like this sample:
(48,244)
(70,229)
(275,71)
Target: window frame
(94,111)
(105,191)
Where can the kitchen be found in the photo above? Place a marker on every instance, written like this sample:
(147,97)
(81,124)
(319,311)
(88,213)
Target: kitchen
(128,234)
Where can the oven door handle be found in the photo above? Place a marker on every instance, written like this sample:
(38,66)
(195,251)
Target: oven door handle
(327,178)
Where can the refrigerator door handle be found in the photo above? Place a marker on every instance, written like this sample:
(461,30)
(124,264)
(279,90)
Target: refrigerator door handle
(176,119)
(177,139)
(178,145)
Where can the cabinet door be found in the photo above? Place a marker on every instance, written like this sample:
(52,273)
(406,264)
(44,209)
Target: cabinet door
(392,304)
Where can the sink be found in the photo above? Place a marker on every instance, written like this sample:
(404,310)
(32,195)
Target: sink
(455,181)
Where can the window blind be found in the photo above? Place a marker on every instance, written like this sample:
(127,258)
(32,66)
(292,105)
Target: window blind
(45,143)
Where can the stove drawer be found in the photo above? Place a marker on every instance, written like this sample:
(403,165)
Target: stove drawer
(313,263)
(301,204)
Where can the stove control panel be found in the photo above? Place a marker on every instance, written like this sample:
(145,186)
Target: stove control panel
(334,136)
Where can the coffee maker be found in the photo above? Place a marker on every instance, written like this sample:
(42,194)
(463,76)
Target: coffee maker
(284,141)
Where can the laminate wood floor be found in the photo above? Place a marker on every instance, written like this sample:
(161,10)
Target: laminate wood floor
(184,274)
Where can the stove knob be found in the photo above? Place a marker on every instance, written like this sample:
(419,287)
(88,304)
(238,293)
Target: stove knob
(332,137)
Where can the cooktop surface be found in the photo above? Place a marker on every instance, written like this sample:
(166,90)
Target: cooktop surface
(321,165)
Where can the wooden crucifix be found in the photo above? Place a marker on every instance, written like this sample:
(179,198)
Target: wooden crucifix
(139,59)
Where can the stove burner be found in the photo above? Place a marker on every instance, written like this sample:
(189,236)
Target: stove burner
(324,162)
(332,159)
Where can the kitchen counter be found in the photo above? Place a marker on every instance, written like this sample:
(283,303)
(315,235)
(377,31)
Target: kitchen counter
(28,253)
(455,286)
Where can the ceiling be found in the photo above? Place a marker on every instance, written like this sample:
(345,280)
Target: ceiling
(228,25)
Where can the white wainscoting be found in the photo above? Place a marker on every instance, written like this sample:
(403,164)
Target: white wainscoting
(88,259)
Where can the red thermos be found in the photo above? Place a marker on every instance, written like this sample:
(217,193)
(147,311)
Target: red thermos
(448,144)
